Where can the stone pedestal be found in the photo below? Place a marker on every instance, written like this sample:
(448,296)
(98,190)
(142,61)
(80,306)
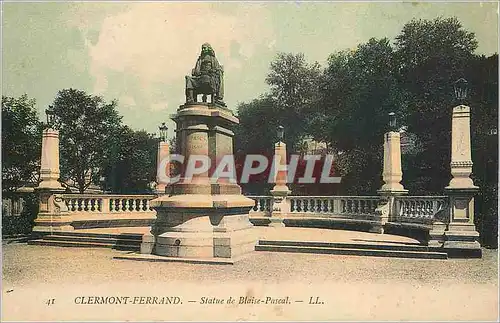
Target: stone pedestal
(162,168)
(49,163)
(280,191)
(461,161)
(392,173)
(203,218)
(461,232)
(53,212)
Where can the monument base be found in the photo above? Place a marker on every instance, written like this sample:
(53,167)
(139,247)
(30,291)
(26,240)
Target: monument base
(201,227)
(47,223)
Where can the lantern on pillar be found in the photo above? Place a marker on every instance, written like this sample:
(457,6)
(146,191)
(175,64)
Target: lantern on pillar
(392,122)
(461,88)
(163,132)
(50,117)
(280,130)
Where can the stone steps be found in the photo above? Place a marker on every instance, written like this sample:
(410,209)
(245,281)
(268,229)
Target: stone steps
(395,246)
(398,251)
(132,242)
(90,240)
(82,244)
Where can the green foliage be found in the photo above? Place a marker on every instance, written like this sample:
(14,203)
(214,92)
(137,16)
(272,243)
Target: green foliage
(359,90)
(432,55)
(21,143)
(131,166)
(347,105)
(22,224)
(87,125)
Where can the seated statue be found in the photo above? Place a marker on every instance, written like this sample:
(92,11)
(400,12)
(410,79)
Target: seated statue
(206,78)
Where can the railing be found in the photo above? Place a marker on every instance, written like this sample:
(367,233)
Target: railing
(263,205)
(407,209)
(101,203)
(348,206)
(418,209)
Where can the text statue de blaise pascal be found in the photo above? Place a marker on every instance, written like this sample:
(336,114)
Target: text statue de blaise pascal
(207,78)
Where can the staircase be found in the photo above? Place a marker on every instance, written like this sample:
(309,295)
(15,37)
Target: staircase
(352,249)
(132,242)
(123,241)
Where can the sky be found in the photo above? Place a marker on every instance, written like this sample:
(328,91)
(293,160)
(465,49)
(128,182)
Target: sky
(139,52)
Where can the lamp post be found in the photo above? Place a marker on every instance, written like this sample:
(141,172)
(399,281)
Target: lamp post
(461,89)
(392,121)
(163,132)
(49,113)
(280,130)
(161,166)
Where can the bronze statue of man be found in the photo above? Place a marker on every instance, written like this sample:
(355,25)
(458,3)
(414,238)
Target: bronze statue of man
(206,78)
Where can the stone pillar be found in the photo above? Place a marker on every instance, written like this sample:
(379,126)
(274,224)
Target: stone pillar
(202,218)
(280,191)
(392,175)
(163,153)
(53,212)
(461,232)
(49,168)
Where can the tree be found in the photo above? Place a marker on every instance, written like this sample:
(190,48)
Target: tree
(294,91)
(483,79)
(21,143)
(87,125)
(431,56)
(132,163)
(359,89)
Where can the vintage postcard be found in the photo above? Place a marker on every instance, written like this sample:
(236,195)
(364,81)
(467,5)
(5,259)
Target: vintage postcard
(249,161)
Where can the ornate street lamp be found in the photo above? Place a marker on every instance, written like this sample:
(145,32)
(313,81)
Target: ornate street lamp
(461,88)
(280,131)
(392,121)
(50,117)
(163,132)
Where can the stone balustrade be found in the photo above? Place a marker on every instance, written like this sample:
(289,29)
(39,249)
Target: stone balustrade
(419,209)
(102,203)
(348,206)
(263,205)
(407,209)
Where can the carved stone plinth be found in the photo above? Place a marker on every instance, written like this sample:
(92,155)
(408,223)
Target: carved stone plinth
(53,213)
(461,232)
(204,217)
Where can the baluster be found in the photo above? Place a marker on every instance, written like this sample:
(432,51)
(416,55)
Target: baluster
(99,204)
(318,205)
(141,205)
(299,205)
(257,205)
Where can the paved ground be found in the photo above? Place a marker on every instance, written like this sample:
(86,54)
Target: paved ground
(50,283)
